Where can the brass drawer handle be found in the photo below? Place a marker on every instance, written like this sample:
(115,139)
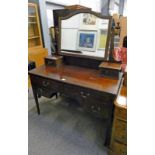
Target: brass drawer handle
(99,109)
(45,83)
(92,107)
(82,94)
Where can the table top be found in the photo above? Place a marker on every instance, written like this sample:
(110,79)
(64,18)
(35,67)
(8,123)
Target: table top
(80,76)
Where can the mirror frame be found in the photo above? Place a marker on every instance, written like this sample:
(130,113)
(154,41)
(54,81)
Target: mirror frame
(75,12)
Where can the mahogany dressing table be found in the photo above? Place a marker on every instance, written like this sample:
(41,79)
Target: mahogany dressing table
(78,76)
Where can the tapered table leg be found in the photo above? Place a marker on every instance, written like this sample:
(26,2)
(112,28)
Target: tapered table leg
(36,101)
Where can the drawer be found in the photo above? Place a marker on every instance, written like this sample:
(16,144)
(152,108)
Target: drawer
(45,87)
(45,92)
(120,131)
(119,149)
(96,108)
(99,96)
(46,84)
(72,91)
(121,113)
(86,93)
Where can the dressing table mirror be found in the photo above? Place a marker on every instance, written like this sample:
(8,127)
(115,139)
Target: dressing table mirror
(84,34)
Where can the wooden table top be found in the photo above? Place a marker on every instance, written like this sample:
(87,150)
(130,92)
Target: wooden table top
(85,77)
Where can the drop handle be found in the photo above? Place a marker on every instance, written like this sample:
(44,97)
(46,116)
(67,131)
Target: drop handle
(93,109)
(88,94)
(45,83)
(84,96)
(82,92)
(99,109)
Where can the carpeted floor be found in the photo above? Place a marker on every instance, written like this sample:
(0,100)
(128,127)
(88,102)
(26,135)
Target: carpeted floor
(63,128)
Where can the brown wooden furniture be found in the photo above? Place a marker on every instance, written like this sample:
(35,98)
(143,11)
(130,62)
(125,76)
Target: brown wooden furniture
(34,32)
(37,55)
(119,132)
(36,52)
(123,27)
(78,77)
(95,93)
(110,69)
(123,33)
(53,60)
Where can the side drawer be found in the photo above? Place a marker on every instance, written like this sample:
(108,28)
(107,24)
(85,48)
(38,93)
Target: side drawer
(100,96)
(72,91)
(119,149)
(121,113)
(45,83)
(120,132)
(45,87)
(96,108)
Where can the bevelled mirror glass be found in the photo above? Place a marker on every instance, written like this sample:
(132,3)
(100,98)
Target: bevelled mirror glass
(84,34)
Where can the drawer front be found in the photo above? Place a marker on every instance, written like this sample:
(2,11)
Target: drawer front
(72,91)
(120,132)
(45,87)
(121,113)
(45,92)
(92,101)
(86,94)
(119,149)
(100,96)
(96,108)
(45,83)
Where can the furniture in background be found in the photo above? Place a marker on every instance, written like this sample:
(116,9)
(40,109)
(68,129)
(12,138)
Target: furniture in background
(123,33)
(34,32)
(36,52)
(119,132)
(123,28)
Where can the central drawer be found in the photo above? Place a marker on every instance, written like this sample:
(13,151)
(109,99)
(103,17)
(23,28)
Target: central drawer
(45,83)
(96,108)
(86,93)
(91,100)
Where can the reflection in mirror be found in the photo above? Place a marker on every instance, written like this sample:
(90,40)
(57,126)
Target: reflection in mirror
(84,34)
